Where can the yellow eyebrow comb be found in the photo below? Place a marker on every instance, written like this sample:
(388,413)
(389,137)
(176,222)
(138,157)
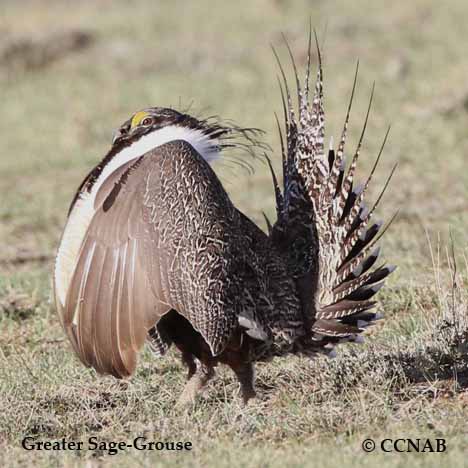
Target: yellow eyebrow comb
(137,118)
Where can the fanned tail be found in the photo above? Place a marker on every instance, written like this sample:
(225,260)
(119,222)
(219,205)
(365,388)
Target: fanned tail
(325,228)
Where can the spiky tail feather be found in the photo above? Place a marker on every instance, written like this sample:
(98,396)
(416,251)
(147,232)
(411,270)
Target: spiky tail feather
(324,226)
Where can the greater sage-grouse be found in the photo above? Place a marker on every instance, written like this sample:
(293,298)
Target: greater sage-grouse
(154,250)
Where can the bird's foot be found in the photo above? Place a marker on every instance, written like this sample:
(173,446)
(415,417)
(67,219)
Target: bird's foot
(195,384)
(249,397)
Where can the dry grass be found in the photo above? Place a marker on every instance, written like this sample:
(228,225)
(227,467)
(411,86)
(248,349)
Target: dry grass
(409,384)
(57,119)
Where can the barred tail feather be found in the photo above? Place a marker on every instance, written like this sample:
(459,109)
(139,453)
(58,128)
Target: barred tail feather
(324,226)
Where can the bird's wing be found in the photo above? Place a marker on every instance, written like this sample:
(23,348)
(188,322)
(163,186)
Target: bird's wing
(132,263)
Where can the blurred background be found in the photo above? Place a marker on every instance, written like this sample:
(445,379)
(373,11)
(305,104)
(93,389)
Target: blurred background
(72,71)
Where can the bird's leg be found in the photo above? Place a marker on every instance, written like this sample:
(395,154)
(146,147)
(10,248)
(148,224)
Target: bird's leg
(196,382)
(189,360)
(245,373)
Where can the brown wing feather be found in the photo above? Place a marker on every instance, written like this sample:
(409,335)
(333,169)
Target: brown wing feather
(146,243)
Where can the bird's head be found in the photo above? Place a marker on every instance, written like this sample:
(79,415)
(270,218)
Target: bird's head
(209,136)
(147,121)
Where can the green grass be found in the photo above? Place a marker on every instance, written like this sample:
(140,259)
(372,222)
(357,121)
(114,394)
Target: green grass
(57,121)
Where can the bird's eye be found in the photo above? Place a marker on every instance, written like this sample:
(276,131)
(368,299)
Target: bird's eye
(147,121)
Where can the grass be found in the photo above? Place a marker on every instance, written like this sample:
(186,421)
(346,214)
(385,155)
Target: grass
(57,118)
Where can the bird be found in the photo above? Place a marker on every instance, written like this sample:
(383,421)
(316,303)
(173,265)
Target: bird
(154,250)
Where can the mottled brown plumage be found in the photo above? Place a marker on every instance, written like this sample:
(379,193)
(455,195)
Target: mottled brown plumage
(154,250)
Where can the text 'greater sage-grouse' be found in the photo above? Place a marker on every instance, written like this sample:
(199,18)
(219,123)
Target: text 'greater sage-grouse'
(154,250)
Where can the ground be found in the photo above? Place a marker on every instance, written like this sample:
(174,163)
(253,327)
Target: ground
(72,72)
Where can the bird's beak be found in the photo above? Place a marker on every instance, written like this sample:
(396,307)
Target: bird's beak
(117,135)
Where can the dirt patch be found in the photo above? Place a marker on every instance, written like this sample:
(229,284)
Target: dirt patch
(22,54)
